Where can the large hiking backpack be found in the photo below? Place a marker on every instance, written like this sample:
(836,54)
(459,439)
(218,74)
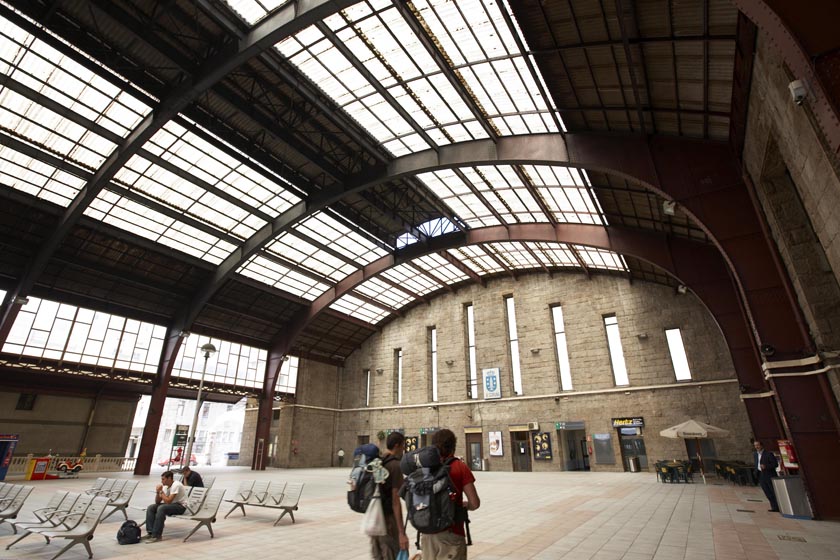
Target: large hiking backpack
(427,489)
(129,533)
(362,483)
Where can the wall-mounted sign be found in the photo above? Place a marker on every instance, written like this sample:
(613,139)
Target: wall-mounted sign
(492,383)
(180,436)
(411,443)
(542,446)
(424,431)
(495,444)
(570,425)
(634,422)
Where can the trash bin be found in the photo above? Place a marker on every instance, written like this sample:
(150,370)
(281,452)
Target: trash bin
(790,493)
(635,466)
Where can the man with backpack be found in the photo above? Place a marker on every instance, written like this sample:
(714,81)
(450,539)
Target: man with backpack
(387,547)
(451,543)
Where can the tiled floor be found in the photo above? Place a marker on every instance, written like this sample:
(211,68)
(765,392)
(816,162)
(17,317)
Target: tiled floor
(545,516)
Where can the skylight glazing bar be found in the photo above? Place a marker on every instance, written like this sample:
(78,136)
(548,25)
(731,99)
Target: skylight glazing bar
(233,363)
(70,334)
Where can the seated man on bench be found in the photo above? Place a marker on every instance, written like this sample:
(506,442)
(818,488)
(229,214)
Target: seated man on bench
(170,499)
(192,478)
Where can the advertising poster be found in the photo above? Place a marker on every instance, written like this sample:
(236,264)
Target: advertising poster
(542,446)
(495,444)
(492,386)
(411,443)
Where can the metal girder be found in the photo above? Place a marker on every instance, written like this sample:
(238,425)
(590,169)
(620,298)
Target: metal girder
(411,19)
(286,20)
(633,41)
(789,35)
(375,84)
(619,12)
(462,267)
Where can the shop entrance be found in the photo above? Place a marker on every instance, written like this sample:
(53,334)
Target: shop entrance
(574,449)
(632,448)
(474,453)
(521,451)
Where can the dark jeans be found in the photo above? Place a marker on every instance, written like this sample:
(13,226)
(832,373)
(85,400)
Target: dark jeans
(766,483)
(156,516)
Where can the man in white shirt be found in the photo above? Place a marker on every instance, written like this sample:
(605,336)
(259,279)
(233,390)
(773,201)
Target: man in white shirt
(170,499)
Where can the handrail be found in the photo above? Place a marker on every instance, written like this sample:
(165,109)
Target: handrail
(95,463)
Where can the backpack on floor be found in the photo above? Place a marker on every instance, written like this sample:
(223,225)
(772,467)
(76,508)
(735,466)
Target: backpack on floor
(427,489)
(361,479)
(129,533)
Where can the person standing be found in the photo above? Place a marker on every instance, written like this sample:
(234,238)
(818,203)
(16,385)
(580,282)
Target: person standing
(170,499)
(766,464)
(387,547)
(192,478)
(451,544)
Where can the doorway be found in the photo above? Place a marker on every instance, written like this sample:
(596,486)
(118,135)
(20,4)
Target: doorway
(521,451)
(575,451)
(361,440)
(632,447)
(474,453)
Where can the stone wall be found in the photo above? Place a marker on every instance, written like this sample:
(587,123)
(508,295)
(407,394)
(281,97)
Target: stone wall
(57,423)
(798,186)
(643,311)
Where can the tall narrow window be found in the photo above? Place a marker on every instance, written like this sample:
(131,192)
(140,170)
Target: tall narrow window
(514,346)
(398,362)
(287,380)
(433,360)
(473,386)
(562,349)
(616,352)
(678,357)
(367,387)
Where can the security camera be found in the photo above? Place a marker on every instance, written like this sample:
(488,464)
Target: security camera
(767,350)
(797,91)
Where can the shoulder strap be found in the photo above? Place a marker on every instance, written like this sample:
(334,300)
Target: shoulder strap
(388,459)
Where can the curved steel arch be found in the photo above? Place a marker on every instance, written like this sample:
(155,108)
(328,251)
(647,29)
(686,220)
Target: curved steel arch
(701,176)
(285,21)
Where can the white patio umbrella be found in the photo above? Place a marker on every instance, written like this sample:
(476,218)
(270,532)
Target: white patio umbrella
(696,430)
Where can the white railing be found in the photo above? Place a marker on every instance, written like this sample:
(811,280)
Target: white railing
(96,463)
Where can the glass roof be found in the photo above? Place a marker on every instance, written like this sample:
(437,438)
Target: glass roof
(253,11)
(368,59)
(231,364)
(36,74)
(70,334)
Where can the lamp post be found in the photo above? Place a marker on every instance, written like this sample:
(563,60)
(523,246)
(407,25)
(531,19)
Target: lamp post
(207,349)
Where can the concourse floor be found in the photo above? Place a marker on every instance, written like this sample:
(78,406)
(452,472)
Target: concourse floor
(546,516)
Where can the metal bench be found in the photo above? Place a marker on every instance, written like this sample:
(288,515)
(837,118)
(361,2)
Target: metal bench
(206,513)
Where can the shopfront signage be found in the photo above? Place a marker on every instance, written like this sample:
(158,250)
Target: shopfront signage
(634,422)
(570,425)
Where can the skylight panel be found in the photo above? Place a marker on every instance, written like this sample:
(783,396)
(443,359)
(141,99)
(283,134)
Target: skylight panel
(359,309)
(330,232)
(555,254)
(441,268)
(274,274)
(384,293)
(413,280)
(131,216)
(599,258)
(505,189)
(231,364)
(252,11)
(516,255)
(310,257)
(74,335)
(477,259)
(39,179)
(453,191)
(565,193)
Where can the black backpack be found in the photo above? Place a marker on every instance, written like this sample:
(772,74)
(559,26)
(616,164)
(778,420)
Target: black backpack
(427,489)
(361,481)
(129,533)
